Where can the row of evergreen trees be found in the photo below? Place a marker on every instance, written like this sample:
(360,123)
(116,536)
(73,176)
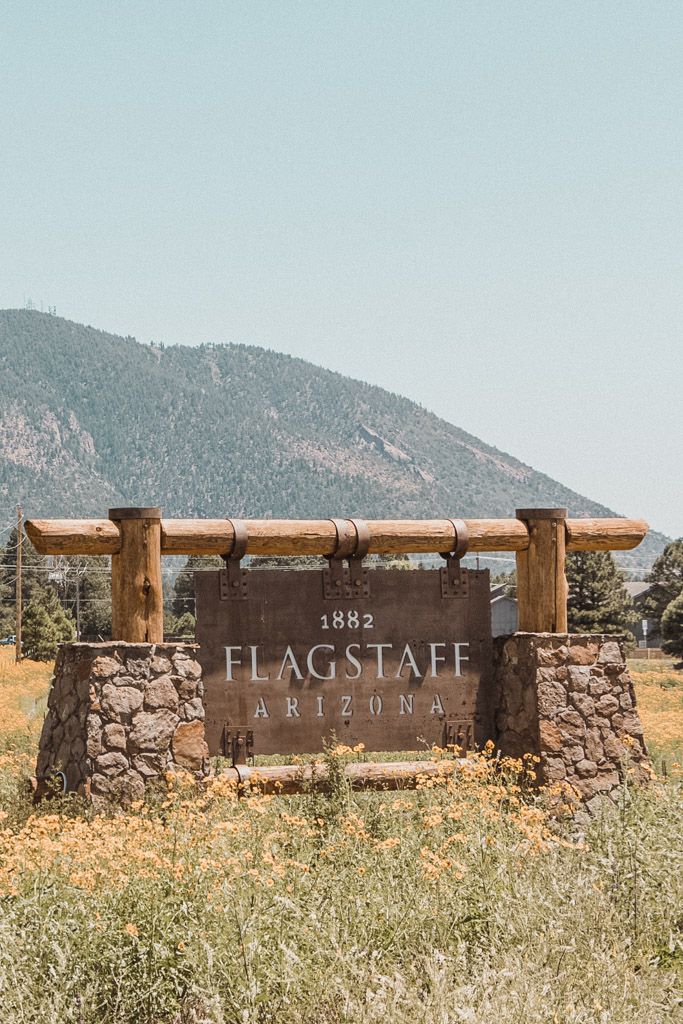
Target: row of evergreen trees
(598,602)
(70,597)
(664,601)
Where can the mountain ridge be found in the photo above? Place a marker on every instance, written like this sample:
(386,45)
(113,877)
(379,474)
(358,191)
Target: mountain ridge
(90,420)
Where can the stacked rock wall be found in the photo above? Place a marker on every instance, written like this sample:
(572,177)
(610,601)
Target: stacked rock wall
(120,715)
(569,699)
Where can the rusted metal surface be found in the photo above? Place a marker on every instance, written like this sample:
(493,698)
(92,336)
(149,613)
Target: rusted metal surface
(540,513)
(348,581)
(397,670)
(454,581)
(233,579)
(153,512)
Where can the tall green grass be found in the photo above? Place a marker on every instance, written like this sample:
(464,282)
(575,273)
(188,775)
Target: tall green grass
(473,899)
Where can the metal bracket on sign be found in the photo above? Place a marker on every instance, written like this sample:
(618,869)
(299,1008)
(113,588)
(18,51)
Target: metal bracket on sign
(459,732)
(454,579)
(352,581)
(237,743)
(233,579)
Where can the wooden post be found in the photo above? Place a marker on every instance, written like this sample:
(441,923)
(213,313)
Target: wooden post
(137,606)
(541,580)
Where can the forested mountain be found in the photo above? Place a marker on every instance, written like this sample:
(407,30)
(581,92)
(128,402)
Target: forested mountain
(89,420)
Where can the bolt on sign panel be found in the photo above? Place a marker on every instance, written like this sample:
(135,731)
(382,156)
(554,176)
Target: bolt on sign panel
(397,668)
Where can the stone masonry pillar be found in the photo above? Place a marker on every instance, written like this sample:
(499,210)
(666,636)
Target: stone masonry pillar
(120,716)
(569,699)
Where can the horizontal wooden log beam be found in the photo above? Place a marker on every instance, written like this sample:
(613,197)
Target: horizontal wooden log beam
(605,534)
(317,536)
(289,779)
(74,536)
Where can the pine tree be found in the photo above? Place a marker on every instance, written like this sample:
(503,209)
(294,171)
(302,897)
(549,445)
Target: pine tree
(184,626)
(666,577)
(7,598)
(45,624)
(39,633)
(672,628)
(36,584)
(598,601)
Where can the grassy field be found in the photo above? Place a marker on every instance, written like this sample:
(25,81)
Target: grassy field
(474,899)
(660,703)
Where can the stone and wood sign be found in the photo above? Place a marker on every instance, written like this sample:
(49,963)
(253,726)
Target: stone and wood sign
(392,659)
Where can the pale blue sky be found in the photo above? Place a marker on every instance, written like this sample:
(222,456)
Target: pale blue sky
(477,204)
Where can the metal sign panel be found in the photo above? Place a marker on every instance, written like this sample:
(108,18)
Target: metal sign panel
(405,664)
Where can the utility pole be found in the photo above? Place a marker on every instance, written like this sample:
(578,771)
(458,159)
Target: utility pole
(18,609)
(78,600)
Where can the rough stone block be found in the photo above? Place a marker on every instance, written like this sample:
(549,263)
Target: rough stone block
(187,688)
(550,736)
(573,754)
(139,668)
(582,653)
(125,789)
(602,783)
(594,744)
(149,765)
(552,697)
(114,736)
(119,702)
(111,763)
(584,704)
(161,693)
(189,747)
(607,705)
(610,653)
(135,682)
(105,668)
(578,705)
(632,724)
(186,667)
(193,709)
(114,714)
(160,666)
(554,769)
(615,749)
(579,678)
(152,730)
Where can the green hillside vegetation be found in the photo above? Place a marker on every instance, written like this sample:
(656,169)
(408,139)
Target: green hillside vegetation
(89,420)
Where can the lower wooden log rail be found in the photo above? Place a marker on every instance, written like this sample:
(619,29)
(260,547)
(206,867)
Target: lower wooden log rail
(136,538)
(293,779)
